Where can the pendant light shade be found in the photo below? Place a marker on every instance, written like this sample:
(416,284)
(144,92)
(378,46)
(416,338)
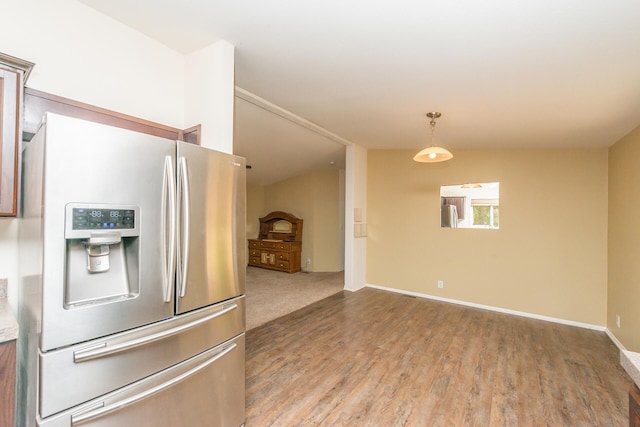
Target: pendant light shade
(433,154)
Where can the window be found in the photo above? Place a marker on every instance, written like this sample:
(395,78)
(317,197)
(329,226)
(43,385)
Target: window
(486,213)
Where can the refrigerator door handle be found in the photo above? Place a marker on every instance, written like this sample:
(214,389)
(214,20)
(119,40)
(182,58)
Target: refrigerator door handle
(102,349)
(81,418)
(168,241)
(183,183)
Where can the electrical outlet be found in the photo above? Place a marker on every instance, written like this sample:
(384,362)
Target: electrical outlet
(308,261)
(440,284)
(618,320)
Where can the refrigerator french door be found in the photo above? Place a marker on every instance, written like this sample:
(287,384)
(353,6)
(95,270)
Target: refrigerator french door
(132,261)
(211,251)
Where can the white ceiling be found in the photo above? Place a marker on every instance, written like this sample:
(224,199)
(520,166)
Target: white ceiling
(504,73)
(277,148)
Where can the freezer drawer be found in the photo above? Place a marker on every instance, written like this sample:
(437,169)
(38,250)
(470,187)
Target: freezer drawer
(204,391)
(71,376)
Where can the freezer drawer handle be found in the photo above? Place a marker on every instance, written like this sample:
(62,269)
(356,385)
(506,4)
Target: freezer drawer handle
(102,350)
(78,419)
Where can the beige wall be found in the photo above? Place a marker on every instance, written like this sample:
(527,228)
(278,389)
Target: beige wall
(314,197)
(326,216)
(549,257)
(624,241)
(255,209)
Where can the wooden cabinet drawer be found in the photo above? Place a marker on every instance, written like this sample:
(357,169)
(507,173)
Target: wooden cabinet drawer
(285,246)
(282,264)
(254,260)
(282,256)
(257,244)
(254,252)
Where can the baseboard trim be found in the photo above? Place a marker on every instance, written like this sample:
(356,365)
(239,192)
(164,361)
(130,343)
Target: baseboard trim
(614,339)
(499,310)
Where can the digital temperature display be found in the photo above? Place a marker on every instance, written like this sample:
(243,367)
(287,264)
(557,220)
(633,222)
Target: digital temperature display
(103,219)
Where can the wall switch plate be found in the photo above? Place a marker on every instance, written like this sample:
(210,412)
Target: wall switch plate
(440,284)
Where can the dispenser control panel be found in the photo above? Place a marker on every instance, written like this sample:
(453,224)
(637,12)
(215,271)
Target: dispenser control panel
(82,220)
(103,219)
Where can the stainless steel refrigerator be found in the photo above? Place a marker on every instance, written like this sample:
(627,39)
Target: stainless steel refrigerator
(448,216)
(132,253)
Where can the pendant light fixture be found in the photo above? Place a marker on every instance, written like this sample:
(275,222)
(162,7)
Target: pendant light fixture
(433,154)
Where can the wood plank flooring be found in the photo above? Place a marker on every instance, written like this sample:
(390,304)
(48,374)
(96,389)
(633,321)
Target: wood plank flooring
(375,358)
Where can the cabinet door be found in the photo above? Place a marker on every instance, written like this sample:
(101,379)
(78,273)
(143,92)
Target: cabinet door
(7,382)
(268,258)
(10,96)
(634,406)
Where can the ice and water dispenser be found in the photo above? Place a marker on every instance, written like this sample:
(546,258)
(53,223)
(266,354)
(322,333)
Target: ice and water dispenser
(102,250)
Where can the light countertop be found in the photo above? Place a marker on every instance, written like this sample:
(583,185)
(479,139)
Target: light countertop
(8,323)
(630,361)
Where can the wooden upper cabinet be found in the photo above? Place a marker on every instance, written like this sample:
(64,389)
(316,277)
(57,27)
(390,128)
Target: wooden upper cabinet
(22,110)
(37,103)
(9,129)
(13,72)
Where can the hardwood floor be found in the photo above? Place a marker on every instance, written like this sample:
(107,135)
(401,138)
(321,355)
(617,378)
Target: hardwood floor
(374,358)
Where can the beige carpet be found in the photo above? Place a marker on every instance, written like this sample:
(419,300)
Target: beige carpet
(272,294)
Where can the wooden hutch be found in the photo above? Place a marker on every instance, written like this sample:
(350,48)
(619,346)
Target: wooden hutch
(279,243)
